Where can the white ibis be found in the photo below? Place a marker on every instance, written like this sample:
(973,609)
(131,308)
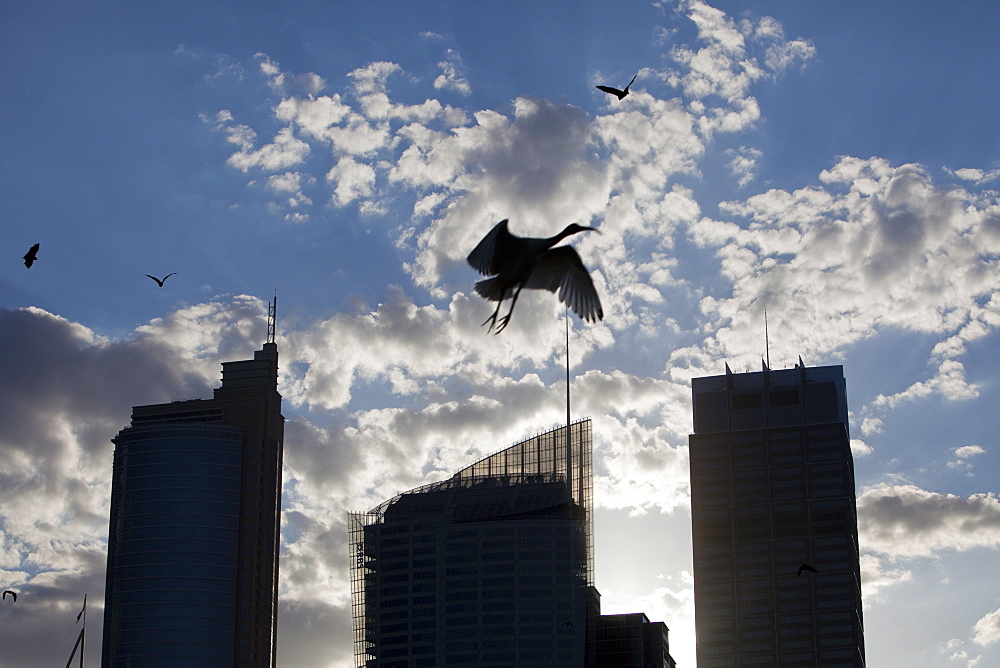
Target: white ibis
(515,263)
(614,91)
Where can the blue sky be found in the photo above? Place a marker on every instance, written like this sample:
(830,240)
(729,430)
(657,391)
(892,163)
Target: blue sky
(834,164)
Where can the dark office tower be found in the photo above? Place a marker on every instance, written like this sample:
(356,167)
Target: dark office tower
(772,488)
(491,567)
(192,574)
(632,641)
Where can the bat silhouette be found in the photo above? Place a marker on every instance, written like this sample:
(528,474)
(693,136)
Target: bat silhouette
(615,91)
(807,567)
(12,593)
(31,256)
(159,281)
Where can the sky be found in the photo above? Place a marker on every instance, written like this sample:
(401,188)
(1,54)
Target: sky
(835,164)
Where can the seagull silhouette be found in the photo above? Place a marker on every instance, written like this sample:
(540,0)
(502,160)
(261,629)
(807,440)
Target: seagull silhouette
(159,281)
(11,592)
(31,256)
(807,567)
(615,91)
(515,263)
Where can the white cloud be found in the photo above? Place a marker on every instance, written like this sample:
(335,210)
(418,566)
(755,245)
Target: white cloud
(949,383)
(987,629)
(372,77)
(744,164)
(875,577)
(967,451)
(315,116)
(875,248)
(450,79)
(860,449)
(904,521)
(353,180)
(962,454)
(785,55)
(283,152)
(975,175)
(283,82)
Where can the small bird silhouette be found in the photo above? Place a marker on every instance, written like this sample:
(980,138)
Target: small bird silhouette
(159,281)
(807,567)
(615,91)
(11,592)
(31,256)
(515,263)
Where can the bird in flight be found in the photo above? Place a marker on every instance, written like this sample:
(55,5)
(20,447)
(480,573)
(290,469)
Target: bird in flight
(159,281)
(11,592)
(515,263)
(615,91)
(807,567)
(31,256)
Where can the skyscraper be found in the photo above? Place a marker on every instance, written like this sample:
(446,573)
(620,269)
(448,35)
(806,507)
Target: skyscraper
(192,574)
(772,488)
(492,566)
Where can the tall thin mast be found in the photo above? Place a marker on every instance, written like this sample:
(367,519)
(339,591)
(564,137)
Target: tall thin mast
(767,344)
(569,429)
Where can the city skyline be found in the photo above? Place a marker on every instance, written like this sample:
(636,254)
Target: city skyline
(836,166)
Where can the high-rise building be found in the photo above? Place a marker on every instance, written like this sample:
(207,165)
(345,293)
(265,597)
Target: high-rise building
(772,488)
(632,641)
(192,574)
(493,567)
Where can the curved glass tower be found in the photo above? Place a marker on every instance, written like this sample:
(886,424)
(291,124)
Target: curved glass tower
(492,566)
(193,539)
(175,532)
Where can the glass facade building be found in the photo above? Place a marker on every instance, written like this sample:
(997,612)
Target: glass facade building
(193,539)
(491,567)
(772,488)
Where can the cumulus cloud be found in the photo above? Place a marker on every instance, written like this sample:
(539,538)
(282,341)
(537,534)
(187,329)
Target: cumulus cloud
(372,77)
(450,78)
(876,247)
(283,82)
(904,521)
(967,451)
(353,180)
(975,175)
(875,577)
(860,449)
(987,629)
(286,150)
(744,164)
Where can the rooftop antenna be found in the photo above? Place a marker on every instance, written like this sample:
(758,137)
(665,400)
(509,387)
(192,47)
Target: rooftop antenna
(272,314)
(767,345)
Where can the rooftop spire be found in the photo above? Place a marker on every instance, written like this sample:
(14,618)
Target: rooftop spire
(272,314)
